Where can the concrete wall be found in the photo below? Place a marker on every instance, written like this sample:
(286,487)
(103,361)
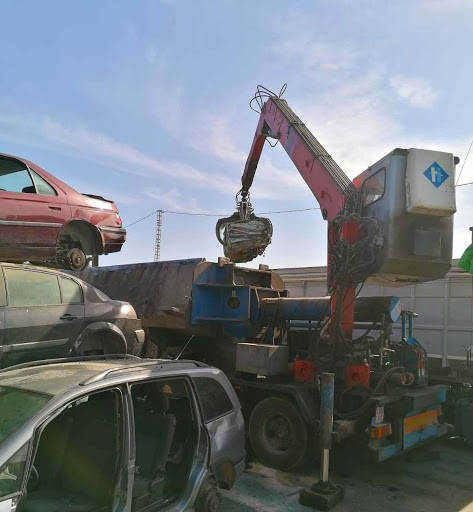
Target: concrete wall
(445,307)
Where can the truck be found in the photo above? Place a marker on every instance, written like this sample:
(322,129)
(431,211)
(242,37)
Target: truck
(393,223)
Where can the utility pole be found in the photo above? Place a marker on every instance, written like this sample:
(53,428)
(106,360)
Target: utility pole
(159,225)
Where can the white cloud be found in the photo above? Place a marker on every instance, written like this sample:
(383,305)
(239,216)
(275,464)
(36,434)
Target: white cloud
(414,90)
(278,183)
(446,5)
(303,45)
(207,133)
(351,123)
(174,199)
(214,136)
(151,53)
(82,142)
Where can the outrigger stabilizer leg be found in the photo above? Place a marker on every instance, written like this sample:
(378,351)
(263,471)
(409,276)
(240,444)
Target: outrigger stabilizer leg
(323,495)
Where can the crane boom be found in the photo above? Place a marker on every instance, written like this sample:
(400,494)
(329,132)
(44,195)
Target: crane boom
(339,200)
(327,181)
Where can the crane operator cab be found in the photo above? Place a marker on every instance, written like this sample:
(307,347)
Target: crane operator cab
(412,193)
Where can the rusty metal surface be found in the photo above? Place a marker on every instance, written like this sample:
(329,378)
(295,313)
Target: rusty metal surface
(158,291)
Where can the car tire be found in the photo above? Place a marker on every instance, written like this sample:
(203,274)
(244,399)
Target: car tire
(100,343)
(278,434)
(209,499)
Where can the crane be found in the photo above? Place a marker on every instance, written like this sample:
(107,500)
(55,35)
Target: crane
(351,237)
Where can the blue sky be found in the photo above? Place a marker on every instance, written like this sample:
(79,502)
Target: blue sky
(146,103)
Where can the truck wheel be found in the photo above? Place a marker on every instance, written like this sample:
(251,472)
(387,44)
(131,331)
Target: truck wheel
(278,434)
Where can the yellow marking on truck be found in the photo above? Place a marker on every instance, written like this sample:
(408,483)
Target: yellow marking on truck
(420,421)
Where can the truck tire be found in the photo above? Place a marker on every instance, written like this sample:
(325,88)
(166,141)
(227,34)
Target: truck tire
(278,434)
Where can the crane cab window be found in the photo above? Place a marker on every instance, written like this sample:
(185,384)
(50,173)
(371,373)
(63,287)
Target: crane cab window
(373,187)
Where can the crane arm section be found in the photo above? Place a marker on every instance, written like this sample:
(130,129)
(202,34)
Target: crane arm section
(337,196)
(332,188)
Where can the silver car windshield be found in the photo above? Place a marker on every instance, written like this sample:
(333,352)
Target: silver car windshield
(17,407)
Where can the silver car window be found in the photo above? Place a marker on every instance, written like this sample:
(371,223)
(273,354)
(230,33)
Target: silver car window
(17,407)
(214,400)
(11,473)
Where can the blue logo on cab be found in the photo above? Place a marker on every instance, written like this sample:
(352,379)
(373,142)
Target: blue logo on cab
(435,174)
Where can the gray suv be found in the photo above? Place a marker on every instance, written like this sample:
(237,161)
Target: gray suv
(47,314)
(117,434)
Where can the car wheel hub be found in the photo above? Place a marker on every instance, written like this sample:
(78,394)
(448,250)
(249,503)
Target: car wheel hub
(76,259)
(278,432)
(212,501)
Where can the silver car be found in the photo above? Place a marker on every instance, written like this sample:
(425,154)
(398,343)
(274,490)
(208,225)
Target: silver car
(117,433)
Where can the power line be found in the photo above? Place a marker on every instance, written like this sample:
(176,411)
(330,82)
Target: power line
(464,161)
(464,184)
(195,214)
(142,218)
(289,211)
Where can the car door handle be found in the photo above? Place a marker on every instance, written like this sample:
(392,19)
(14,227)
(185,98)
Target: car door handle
(55,208)
(67,316)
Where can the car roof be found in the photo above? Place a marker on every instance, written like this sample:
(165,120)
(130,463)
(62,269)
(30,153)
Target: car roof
(55,378)
(85,285)
(37,267)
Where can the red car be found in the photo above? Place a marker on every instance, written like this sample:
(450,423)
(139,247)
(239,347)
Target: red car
(43,219)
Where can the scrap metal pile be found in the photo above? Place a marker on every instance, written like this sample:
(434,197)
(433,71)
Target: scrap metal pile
(244,236)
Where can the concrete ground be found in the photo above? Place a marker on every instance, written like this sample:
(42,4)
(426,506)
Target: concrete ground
(434,478)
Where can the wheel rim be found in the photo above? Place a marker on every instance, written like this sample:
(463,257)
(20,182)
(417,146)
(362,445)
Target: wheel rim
(277,432)
(76,259)
(212,501)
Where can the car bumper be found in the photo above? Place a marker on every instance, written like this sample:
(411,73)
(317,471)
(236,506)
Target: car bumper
(134,334)
(113,239)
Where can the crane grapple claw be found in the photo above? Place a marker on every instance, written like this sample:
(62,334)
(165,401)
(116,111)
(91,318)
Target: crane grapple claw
(244,239)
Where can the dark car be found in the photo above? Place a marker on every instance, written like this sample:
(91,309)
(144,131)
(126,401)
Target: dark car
(45,313)
(117,435)
(43,219)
